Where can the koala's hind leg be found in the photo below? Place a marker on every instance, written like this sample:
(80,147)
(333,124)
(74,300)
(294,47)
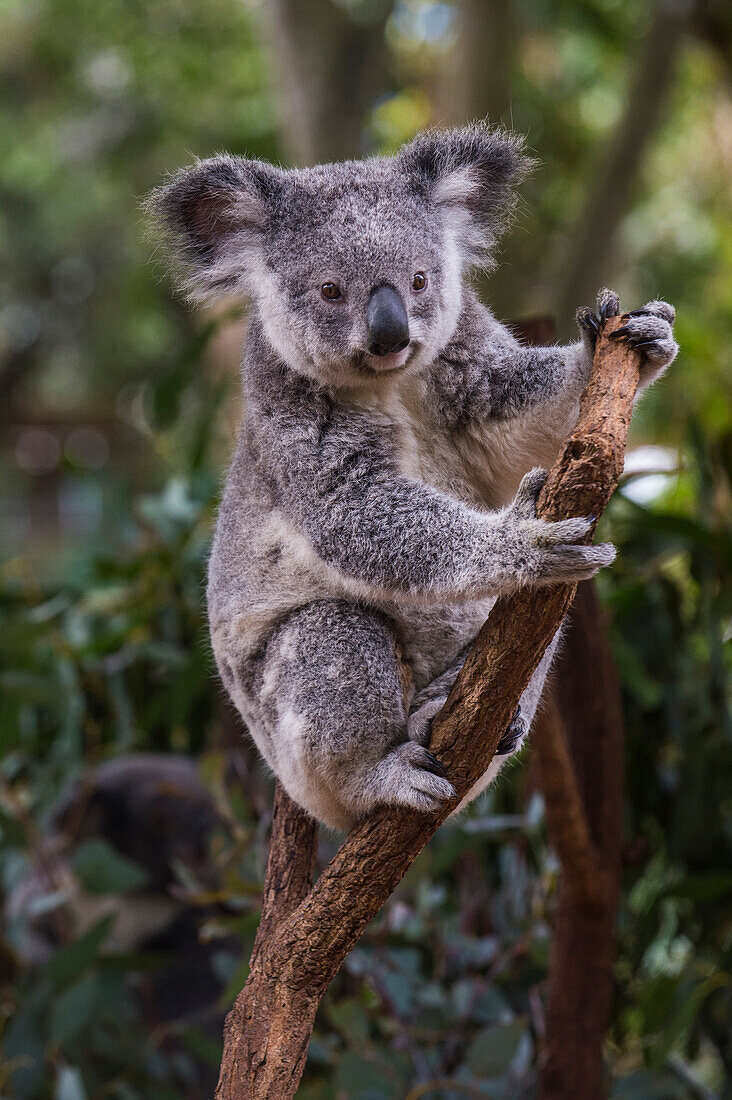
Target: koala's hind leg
(331,696)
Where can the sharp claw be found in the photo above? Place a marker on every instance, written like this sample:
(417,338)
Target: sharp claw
(507,744)
(606,309)
(432,764)
(622,331)
(644,344)
(637,313)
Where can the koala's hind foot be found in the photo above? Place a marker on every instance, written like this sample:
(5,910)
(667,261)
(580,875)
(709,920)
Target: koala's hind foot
(513,737)
(329,715)
(410,775)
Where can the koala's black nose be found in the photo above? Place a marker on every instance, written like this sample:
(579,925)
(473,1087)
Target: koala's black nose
(388,324)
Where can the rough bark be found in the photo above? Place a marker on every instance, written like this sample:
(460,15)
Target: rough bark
(583,947)
(269,1027)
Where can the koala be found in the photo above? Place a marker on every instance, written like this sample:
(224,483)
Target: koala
(382,492)
(151,809)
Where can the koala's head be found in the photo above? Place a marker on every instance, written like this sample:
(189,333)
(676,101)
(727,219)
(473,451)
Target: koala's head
(356,269)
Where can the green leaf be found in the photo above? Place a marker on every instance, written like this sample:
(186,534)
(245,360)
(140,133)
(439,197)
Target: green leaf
(102,870)
(361,1080)
(71,961)
(350,1018)
(73,1010)
(492,1051)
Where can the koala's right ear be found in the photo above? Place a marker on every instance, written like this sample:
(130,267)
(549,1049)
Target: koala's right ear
(212,218)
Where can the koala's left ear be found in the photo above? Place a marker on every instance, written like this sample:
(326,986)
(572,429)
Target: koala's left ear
(470,174)
(213,217)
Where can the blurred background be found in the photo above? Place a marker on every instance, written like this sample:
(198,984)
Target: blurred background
(130,883)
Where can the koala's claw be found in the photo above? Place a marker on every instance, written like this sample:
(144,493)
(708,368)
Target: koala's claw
(591,321)
(649,330)
(608,304)
(515,733)
(432,764)
(562,531)
(588,320)
(569,564)
(656,308)
(410,775)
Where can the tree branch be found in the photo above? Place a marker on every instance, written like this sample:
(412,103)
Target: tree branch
(268,1029)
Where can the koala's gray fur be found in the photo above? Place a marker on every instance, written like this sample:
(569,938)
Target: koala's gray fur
(371,514)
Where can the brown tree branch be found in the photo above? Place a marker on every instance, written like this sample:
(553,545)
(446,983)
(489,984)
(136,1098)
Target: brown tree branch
(269,1027)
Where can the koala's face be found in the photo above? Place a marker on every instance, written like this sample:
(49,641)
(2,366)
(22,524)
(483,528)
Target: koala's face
(356,268)
(357,277)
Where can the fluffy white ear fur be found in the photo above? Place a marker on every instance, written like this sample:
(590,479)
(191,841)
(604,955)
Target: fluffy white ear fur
(470,174)
(213,216)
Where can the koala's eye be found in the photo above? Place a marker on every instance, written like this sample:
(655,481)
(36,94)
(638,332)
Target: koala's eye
(331,291)
(419,280)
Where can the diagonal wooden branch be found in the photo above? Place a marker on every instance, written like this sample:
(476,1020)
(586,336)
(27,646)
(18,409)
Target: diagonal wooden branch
(268,1029)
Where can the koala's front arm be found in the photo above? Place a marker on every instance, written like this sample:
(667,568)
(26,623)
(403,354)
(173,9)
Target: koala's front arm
(390,537)
(533,393)
(523,401)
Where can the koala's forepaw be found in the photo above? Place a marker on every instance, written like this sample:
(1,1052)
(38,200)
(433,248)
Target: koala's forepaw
(649,330)
(514,735)
(527,494)
(561,557)
(546,552)
(411,776)
(419,722)
(590,321)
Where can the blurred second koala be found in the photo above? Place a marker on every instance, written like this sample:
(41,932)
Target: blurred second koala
(151,810)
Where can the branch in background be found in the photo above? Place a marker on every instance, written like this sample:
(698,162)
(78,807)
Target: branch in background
(475,79)
(583,947)
(566,819)
(330,69)
(268,1029)
(572,277)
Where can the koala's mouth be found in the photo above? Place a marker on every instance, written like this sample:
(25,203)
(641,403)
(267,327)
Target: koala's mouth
(381,364)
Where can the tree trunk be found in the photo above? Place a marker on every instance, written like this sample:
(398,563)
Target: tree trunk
(583,947)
